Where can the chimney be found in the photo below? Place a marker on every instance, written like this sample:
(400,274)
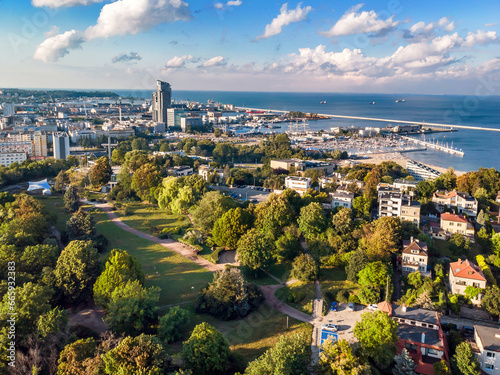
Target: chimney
(423,338)
(404,307)
(411,239)
(459,261)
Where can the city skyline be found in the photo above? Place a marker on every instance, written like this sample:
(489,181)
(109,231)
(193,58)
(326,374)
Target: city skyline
(237,45)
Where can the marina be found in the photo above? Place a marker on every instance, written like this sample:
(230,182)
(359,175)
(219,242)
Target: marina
(436,146)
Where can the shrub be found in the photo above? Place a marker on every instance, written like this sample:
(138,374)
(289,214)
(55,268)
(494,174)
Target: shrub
(304,268)
(486,270)
(354,298)
(173,324)
(126,211)
(342,296)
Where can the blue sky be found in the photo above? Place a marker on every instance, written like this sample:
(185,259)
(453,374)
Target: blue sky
(428,47)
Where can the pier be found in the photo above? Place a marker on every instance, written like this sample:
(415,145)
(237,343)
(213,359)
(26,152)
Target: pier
(386,120)
(435,146)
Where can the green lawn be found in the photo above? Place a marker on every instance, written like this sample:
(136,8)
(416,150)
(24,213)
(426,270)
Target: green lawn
(54,204)
(298,295)
(443,249)
(177,275)
(145,217)
(249,337)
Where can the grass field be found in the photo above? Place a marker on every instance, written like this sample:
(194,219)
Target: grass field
(248,337)
(298,295)
(54,204)
(443,249)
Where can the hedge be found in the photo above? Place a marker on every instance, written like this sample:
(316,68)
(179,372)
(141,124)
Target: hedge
(486,270)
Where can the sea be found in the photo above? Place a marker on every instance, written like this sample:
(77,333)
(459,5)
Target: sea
(481,148)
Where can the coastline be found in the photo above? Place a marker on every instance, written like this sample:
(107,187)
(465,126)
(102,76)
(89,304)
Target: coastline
(400,159)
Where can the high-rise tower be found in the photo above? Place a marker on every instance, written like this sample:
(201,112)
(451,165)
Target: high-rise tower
(162,100)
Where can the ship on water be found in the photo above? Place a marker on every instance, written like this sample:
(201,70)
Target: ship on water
(400,100)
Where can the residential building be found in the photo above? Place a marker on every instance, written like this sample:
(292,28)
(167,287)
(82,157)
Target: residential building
(452,224)
(16,146)
(342,199)
(205,171)
(420,332)
(421,171)
(415,257)
(298,164)
(463,203)
(410,210)
(464,273)
(9,109)
(487,343)
(299,184)
(405,185)
(183,170)
(40,144)
(161,101)
(389,204)
(61,145)
(191,123)
(8,158)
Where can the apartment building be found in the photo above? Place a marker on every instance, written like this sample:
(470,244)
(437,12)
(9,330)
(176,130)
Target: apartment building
(299,184)
(421,171)
(180,171)
(463,203)
(464,273)
(389,204)
(410,211)
(8,158)
(341,199)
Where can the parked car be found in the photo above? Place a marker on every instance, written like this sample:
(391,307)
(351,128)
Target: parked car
(373,307)
(351,306)
(329,327)
(333,307)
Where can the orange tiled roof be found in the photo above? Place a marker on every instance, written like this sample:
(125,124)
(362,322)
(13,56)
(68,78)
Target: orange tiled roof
(453,217)
(467,270)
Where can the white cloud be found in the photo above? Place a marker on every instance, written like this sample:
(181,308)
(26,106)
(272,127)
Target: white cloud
(54,30)
(133,16)
(353,22)
(286,17)
(178,61)
(214,61)
(59,46)
(234,3)
(493,24)
(121,17)
(63,3)
(125,58)
(480,38)
(219,6)
(422,31)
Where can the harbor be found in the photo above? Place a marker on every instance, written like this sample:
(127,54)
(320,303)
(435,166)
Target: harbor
(436,145)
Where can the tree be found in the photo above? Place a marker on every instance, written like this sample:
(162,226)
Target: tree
(100,172)
(357,262)
(339,358)
(144,180)
(60,181)
(374,274)
(458,244)
(210,209)
(404,364)
(286,247)
(376,333)
(143,354)
(120,268)
(71,199)
(173,324)
(255,250)
(304,268)
(369,294)
(342,221)
(230,227)
(76,270)
(312,220)
(415,279)
(80,226)
(273,215)
(140,144)
(53,322)
(229,296)
(74,359)
(491,300)
(206,351)
(290,356)
(465,360)
(361,206)
(382,238)
(133,309)
(35,258)
(441,368)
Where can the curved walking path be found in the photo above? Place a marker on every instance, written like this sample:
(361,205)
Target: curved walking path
(186,252)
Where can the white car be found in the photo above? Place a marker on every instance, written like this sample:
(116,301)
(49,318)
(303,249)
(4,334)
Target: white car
(373,307)
(329,327)
(351,306)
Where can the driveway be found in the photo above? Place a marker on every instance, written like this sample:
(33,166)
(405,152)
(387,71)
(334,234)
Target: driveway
(345,320)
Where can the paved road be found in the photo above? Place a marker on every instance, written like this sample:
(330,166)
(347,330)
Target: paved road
(259,195)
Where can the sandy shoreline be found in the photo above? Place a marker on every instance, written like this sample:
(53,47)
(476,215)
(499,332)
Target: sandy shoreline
(401,160)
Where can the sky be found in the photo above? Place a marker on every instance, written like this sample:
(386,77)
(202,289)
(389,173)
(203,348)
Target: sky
(393,46)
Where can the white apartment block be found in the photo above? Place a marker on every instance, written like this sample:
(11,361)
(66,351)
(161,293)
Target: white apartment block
(389,204)
(8,158)
(342,199)
(421,171)
(299,184)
